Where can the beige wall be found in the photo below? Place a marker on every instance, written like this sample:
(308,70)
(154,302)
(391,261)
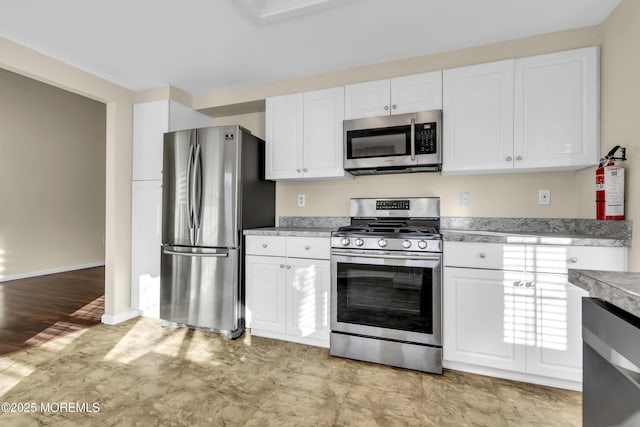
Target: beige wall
(119,103)
(620,108)
(52,177)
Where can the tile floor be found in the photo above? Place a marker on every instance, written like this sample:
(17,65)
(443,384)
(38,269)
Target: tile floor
(140,374)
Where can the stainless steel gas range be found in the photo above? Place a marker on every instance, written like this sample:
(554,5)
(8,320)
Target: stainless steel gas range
(386,289)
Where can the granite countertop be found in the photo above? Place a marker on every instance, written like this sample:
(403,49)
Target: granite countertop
(621,289)
(534,238)
(290,231)
(540,231)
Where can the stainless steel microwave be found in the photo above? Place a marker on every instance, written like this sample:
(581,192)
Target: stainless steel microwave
(394,144)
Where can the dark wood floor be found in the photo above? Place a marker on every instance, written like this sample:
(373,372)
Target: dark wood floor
(38,309)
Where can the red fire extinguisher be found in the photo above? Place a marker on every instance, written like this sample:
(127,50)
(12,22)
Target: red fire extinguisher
(610,186)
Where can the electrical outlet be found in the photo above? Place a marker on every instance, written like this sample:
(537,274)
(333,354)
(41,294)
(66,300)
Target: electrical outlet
(544,197)
(465,199)
(302,200)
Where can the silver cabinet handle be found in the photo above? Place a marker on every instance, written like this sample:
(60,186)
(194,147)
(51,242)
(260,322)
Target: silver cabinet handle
(288,267)
(519,158)
(509,159)
(518,283)
(281,265)
(573,260)
(483,255)
(298,170)
(305,170)
(307,247)
(264,245)
(530,284)
(394,106)
(386,108)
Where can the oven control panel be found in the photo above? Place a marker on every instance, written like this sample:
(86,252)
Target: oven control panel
(408,244)
(392,205)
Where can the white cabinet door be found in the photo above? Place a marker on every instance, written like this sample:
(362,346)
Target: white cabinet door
(150,122)
(308,284)
(557,352)
(284,136)
(323,117)
(368,99)
(418,92)
(556,110)
(146,223)
(483,318)
(265,293)
(478,118)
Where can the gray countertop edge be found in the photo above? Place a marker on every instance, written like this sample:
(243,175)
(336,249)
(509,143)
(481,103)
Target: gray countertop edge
(621,289)
(459,236)
(290,231)
(530,238)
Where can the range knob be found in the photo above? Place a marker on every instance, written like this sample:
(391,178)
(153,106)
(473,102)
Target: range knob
(345,241)
(406,244)
(422,244)
(359,242)
(382,243)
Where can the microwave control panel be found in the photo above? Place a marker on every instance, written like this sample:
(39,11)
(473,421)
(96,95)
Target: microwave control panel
(426,138)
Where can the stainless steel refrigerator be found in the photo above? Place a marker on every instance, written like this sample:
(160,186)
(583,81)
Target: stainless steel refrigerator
(212,188)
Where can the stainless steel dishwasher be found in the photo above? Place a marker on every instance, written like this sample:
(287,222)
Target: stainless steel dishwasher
(611,365)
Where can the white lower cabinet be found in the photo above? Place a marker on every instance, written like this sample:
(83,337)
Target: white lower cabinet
(509,311)
(287,288)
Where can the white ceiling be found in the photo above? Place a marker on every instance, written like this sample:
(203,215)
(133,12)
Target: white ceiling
(209,45)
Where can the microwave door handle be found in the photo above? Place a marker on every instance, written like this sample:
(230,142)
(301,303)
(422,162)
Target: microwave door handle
(413,138)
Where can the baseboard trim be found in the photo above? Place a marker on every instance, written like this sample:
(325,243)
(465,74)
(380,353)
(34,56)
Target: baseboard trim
(513,376)
(109,319)
(51,271)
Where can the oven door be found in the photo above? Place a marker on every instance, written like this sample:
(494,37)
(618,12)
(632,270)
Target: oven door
(380,294)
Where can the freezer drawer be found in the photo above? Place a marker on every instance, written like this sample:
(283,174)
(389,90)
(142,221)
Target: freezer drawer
(199,287)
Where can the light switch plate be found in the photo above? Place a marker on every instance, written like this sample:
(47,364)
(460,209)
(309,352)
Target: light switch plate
(465,199)
(302,200)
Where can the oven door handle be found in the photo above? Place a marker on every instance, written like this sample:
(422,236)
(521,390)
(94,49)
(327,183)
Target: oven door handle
(358,255)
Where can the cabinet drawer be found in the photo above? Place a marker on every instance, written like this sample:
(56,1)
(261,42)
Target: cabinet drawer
(266,245)
(308,247)
(558,259)
(491,256)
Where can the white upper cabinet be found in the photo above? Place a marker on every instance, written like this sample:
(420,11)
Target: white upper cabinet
(530,114)
(150,121)
(556,110)
(323,117)
(478,117)
(304,135)
(418,92)
(408,94)
(284,127)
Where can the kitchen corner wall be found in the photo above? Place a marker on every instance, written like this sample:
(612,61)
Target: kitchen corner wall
(52,178)
(620,110)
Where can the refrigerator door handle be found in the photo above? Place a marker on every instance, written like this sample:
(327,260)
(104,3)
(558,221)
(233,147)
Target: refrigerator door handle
(189,195)
(197,187)
(197,252)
